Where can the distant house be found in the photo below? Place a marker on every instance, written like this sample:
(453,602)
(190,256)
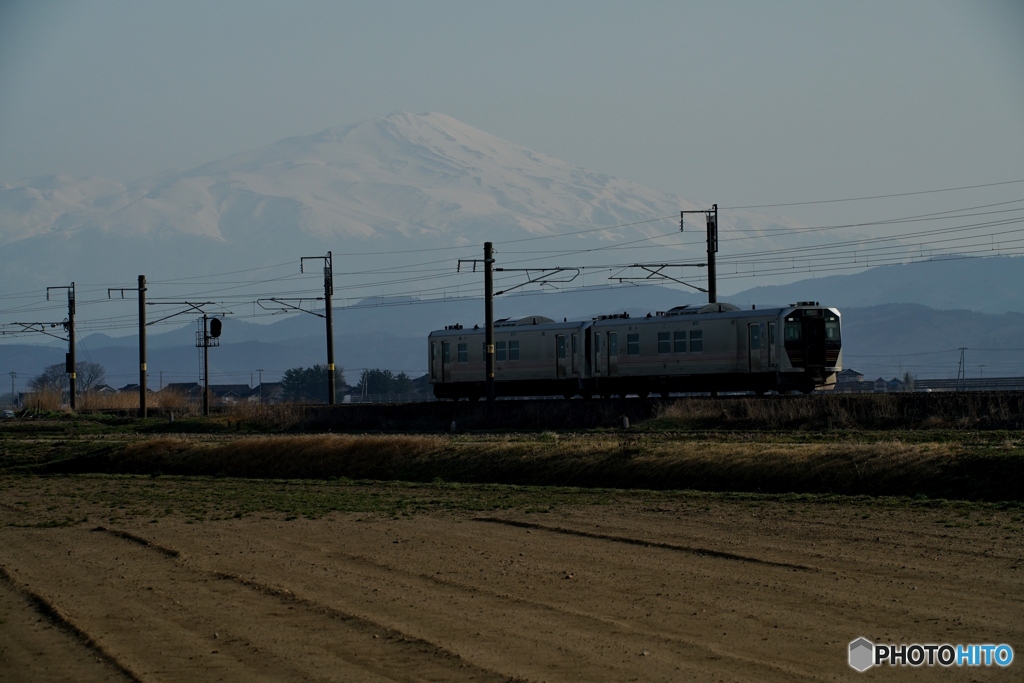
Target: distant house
(849,375)
(129,388)
(231,393)
(219,393)
(104,389)
(893,385)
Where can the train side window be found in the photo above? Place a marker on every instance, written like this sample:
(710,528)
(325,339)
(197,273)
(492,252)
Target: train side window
(664,343)
(513,350)
(560,346)
(463,353)
(613,344)
(499,351)
(632,344)
(679,341)
(792,331)
(696,341)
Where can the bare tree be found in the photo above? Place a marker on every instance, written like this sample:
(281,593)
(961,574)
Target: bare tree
(89,375)
(55,378)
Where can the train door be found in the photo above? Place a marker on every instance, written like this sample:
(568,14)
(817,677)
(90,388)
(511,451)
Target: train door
(814,337)
(597,354)
(434,364)
(613,354)
(754,333)
(575,353)
(773,349)
(560,356)
(446,362)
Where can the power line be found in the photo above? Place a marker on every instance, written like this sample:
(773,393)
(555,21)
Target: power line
(878,196)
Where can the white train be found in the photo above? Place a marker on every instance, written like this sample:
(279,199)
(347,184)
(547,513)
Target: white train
(711,347)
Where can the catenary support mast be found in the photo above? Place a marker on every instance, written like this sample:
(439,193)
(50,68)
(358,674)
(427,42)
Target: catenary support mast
(489,317)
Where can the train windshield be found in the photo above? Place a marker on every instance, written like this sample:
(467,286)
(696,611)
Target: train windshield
(832,328)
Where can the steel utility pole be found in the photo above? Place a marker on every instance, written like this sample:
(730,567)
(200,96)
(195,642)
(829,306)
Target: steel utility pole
(712,250)
(206,369)
(712,230)
(69,325)
(143,375)
(961,371)
(207,337)
(204,339)
(328,291)
(489,318)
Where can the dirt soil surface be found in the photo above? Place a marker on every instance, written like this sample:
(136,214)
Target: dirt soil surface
(723,590)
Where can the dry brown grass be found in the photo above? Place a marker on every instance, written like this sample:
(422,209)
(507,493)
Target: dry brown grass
(178,403)
(889,467)
(270,416)
(108,401)
(314,456)
(45,400)
(851,411)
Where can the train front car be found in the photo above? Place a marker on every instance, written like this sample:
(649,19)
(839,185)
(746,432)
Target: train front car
(812,341)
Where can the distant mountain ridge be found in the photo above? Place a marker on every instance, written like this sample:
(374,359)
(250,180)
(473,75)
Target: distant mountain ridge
(984,285)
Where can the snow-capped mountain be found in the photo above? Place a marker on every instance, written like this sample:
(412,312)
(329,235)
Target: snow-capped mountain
(51,204)
(401,182)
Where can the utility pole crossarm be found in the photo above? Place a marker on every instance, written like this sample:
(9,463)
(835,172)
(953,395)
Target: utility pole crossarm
(39,328)
(545,277)
(285,305)
(655,272)
(192,306)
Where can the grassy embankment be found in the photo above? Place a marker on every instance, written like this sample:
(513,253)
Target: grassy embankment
(939,448)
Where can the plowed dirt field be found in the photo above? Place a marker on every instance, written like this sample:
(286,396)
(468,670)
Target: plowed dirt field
(651,587)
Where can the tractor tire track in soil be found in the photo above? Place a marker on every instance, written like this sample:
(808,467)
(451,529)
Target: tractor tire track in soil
(12,590)
(216,625)
(644,543)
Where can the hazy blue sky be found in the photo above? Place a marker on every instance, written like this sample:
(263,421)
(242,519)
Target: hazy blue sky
(735,102)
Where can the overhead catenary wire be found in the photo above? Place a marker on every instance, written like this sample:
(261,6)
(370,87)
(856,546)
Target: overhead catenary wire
(877,196)
(814,258)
